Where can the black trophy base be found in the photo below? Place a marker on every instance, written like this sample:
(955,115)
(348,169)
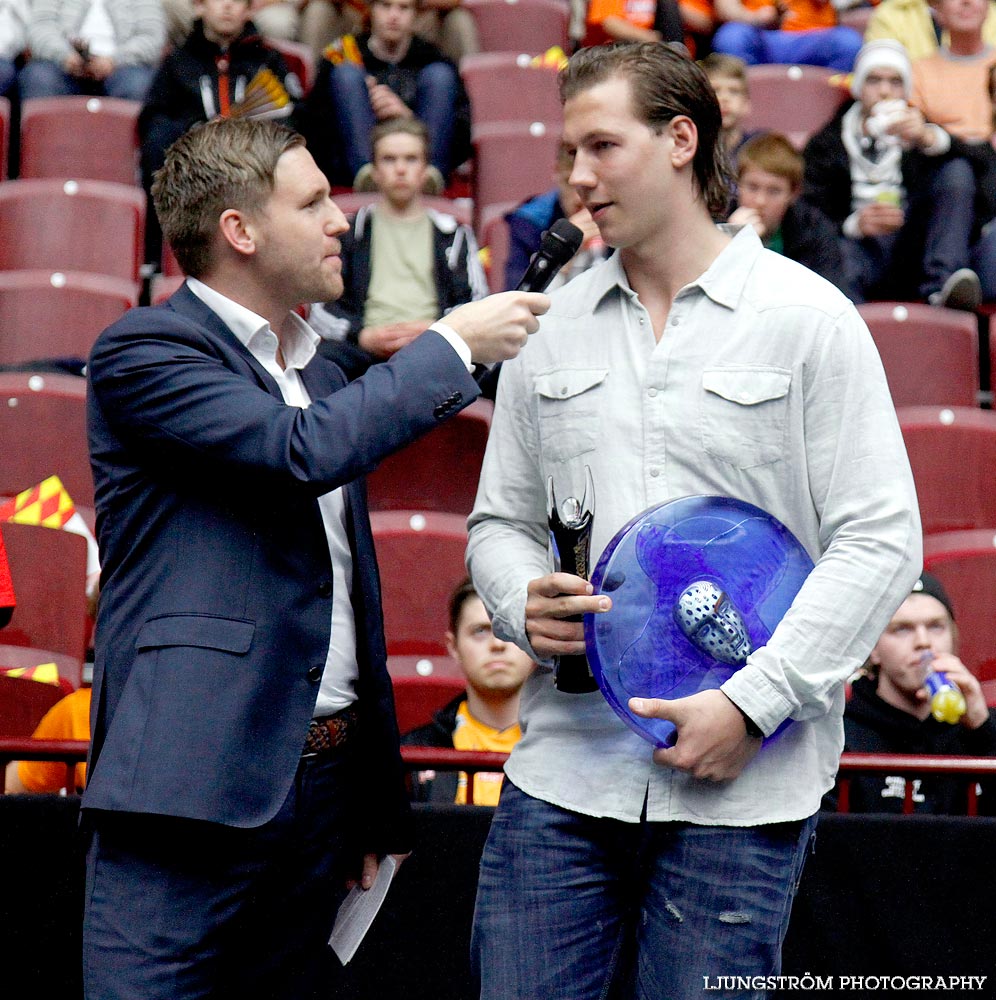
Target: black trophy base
(572,675)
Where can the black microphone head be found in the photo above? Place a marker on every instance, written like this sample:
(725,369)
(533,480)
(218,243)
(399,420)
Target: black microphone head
(557,246)
(562,240)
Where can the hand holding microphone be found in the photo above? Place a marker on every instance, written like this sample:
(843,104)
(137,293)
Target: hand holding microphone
(495,328)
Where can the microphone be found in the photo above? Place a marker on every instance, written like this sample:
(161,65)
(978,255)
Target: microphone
(558,245)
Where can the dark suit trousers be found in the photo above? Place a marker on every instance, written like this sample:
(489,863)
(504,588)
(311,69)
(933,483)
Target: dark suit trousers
(179,908)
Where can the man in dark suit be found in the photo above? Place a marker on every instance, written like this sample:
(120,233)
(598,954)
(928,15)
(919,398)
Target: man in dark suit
(245,762)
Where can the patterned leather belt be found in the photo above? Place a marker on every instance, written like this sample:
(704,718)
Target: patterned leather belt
(330,732)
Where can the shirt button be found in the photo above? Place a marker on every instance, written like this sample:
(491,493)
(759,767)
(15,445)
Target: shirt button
(651,392)
(655,473)
(675,321)
(315,673)
(325,588)
(563,390)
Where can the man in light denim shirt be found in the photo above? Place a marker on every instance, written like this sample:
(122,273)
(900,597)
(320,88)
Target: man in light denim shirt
(690,362)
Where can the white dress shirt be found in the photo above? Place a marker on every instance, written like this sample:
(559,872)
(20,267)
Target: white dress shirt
(765,385)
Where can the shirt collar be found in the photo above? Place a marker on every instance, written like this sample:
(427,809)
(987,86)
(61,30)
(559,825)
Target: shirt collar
(299,341)
(723,281)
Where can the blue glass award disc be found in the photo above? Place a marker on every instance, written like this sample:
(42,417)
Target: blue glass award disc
(696,584)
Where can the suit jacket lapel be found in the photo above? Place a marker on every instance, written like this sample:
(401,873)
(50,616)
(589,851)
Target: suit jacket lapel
(184,302)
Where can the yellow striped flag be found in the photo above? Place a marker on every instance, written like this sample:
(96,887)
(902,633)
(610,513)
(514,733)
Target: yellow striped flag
(46,673)
(47,504)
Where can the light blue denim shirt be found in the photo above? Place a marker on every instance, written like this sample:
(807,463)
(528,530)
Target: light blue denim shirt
(764,386)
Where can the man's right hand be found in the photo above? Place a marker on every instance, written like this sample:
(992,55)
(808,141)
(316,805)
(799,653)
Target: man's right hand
(496,328)
(552,599)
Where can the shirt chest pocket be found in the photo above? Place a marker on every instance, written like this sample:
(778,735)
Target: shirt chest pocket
(568,404)
(743,414)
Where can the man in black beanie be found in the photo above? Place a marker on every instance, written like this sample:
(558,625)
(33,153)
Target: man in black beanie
(889,709)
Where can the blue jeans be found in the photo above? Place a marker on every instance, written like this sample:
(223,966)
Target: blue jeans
(435,104)
(933,243)
(8,74)
(184,909)
(834,48)
(984,262)
(42,78)
(571,906)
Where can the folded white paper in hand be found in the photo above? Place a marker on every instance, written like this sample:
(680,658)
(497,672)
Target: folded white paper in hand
(358,910)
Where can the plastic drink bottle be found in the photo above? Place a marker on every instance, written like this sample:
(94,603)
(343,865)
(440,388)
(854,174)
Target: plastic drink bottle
(947,703)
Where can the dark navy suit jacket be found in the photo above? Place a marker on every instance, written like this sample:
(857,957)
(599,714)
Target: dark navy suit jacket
(215,607)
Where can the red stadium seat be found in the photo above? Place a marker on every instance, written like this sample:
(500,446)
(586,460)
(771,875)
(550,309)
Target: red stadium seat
(81,137)
(4,138)
(423,666)
(43,433)
(520,25)
(48,567)
(55,225)
(421,560)
(930,355)
(438,472)
(965,562)
(952,452)
(504,86)
(794,100)
(494,237)
(512,162)
(57,314)
(23,702)
(299,58)
(416,699)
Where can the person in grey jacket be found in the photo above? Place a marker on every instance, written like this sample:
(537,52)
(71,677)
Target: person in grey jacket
(104,47)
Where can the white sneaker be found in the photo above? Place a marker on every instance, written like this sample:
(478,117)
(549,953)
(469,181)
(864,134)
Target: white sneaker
(961,291)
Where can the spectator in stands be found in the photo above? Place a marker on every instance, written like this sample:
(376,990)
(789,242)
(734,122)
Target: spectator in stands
(486,716)
(403,264)
(103,47)
(67,719)
(911,23)
(381,75)
(13,41)
(950,87)
(204,78)
(889,709)
(728,77)
(323,21)
(769,183)
(875,170)
(622,21)
(449,26)
(277,18)
(528,222)
(792,31)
